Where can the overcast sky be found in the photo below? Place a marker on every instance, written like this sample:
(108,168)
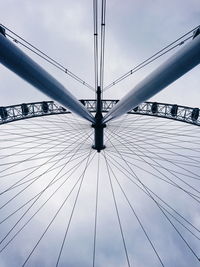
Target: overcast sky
(135,29)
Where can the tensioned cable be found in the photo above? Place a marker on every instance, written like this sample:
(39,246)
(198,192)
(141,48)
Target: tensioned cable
(96,63)
(46,187)
(171,181)
(44,56)
(18,184)
(191,194)
(73,209)
(136,216)
(74,168)
(131,156)
(160,208)
(123,169)
(38,177)
(103,21)
(157,203)
(117,211)
(155,56)
(14,164)
(96,211)
(80,179)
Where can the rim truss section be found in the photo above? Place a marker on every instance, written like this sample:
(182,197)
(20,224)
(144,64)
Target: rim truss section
(37,109)
(30,110)
(169,111)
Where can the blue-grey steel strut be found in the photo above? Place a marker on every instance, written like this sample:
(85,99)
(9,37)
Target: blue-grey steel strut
(176,66)
(18,62)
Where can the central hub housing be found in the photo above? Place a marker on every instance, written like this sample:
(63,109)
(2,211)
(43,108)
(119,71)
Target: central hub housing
(98,125)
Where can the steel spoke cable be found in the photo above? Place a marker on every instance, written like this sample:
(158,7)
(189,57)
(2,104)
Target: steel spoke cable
(161,150)
(46,201)
(78,126)
(140,168)
(96,211)
(32,167)
(191,194)
(47,152)
(160,208)
(153,128)
(172,128)
(136,216)
(33,157)
(102,52)
(158,133)
(46,187)
(166,177)
(20,143)
(52,157)
(122,170)
(172,162)
(74,122)
(73,209)
(41,126)
(117,211)
(44,56)
(37,136)
(157,151)
(54,217)
(140,160)
(18,184)
(141,66)
(166,209)
(39,176)
(96,56)
(38,140)
(172,183)
(154,154)
(52,123)
(79,123)
(174,145)
(36,159)
(72,170)
(30,159)
(164,159)
(155,56)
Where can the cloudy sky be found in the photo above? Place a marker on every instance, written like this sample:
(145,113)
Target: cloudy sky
(134,31)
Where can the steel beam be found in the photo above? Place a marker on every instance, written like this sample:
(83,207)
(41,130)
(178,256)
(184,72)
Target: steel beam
(176,66)
(17,61)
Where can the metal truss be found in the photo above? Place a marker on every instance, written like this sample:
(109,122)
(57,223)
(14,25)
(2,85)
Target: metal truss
(30,110)
(46,108)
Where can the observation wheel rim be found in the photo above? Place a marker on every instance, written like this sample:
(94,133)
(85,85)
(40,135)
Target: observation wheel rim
(30,110)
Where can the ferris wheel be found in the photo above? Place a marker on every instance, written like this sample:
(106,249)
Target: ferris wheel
(99,182)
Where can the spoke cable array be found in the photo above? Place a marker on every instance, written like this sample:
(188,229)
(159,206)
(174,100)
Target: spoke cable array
(165,160)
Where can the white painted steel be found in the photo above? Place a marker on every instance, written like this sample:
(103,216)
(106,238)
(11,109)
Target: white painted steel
(17,61)
(172,69)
